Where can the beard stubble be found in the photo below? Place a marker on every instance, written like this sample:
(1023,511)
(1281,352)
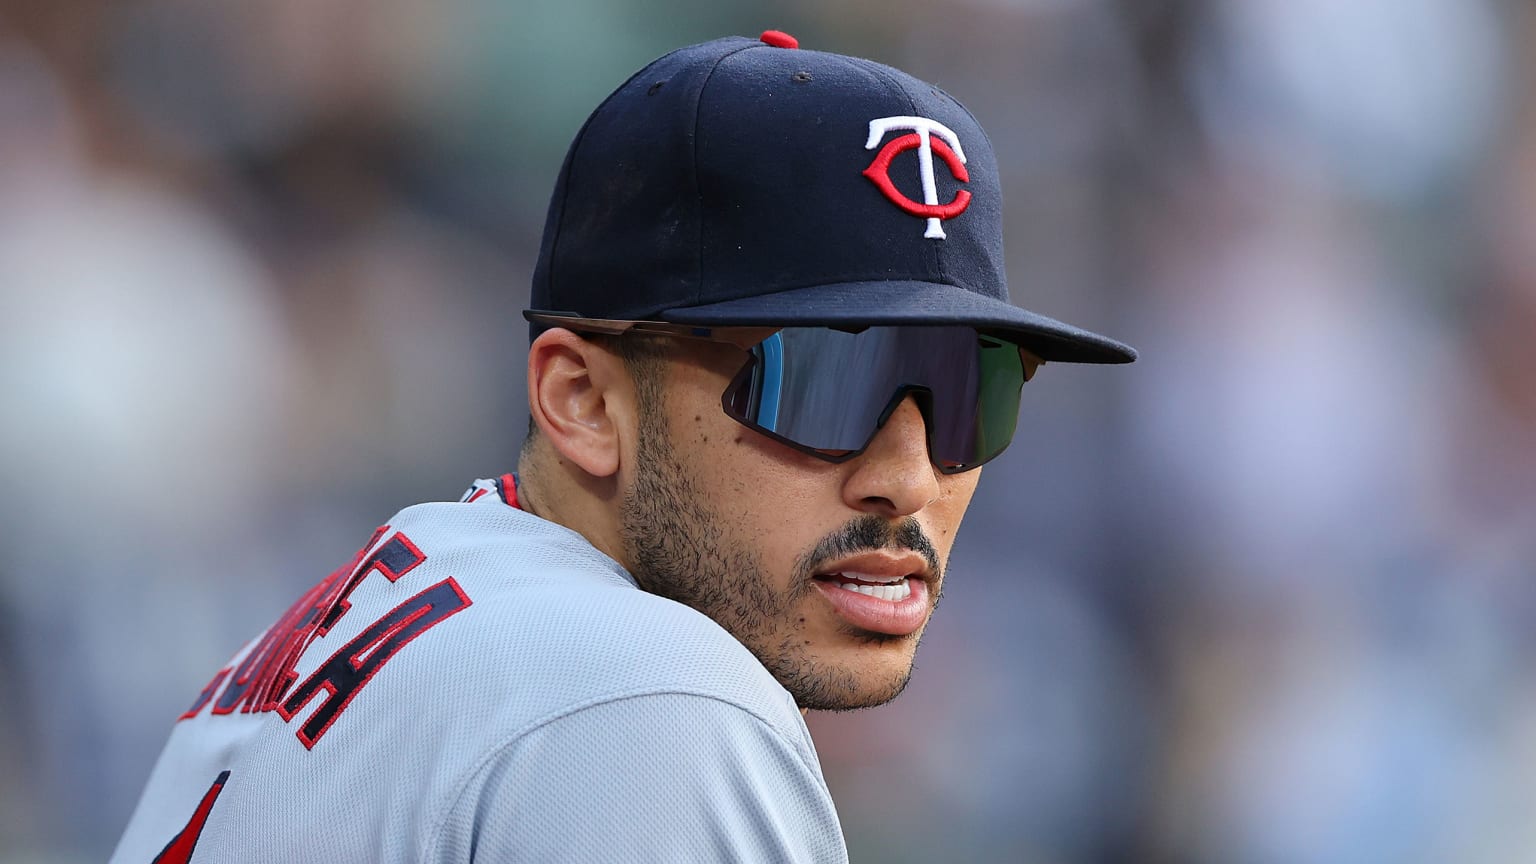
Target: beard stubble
(679,550)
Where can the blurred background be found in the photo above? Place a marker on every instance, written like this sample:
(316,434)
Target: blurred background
(1263,597)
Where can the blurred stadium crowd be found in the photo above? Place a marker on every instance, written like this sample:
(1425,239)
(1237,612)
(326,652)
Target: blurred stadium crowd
(1264,597)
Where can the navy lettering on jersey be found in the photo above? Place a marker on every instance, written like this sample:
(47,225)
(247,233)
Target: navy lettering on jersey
(351,667)
(397,557)
(207,694)
(264,663)
(263,678)
(267,669)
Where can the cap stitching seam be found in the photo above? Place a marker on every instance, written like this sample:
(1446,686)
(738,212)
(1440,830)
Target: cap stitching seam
(581,135)
(698,186)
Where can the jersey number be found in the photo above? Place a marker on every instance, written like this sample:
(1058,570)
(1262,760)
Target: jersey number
(179,850)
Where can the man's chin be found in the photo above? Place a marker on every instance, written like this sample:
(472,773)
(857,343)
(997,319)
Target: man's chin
(849,701)
(821,689)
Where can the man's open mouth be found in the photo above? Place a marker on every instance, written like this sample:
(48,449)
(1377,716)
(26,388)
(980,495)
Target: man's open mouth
(870,584)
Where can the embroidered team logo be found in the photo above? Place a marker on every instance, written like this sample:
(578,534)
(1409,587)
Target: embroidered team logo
(927,137)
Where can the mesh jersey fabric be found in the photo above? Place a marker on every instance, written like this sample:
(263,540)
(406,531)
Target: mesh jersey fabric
(559,713)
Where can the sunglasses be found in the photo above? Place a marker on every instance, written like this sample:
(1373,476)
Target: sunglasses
(826,391)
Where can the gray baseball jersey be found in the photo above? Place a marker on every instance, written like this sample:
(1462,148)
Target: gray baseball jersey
(481,684)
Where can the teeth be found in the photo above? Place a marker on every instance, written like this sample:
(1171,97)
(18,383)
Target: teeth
(870,577)
(900,591)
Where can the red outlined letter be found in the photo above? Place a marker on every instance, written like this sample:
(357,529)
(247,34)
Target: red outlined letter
(355,663)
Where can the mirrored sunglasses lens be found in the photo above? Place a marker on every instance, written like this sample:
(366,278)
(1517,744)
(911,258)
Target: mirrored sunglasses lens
(828,390)
(976,415)
(811,385)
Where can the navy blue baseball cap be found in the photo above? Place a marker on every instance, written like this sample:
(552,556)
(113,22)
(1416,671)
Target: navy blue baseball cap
(748,182)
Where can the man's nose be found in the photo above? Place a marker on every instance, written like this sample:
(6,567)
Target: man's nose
(894,476)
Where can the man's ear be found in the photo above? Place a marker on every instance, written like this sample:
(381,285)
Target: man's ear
(578,394)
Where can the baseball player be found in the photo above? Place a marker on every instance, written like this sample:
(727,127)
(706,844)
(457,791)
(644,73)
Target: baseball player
(771,345)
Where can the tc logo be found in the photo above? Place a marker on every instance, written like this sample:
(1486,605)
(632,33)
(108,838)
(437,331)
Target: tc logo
(948,148)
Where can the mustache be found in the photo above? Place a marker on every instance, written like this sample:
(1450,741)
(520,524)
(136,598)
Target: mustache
(870,533)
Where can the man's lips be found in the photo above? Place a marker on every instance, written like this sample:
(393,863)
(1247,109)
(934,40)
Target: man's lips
(880,592)
(879,567)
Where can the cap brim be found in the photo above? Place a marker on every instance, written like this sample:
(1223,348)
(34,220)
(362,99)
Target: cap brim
(872,303)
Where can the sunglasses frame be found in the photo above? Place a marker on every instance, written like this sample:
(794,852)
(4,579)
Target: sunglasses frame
(746,337)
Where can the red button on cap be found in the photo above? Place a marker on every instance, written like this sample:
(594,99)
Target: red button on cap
(779,39)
